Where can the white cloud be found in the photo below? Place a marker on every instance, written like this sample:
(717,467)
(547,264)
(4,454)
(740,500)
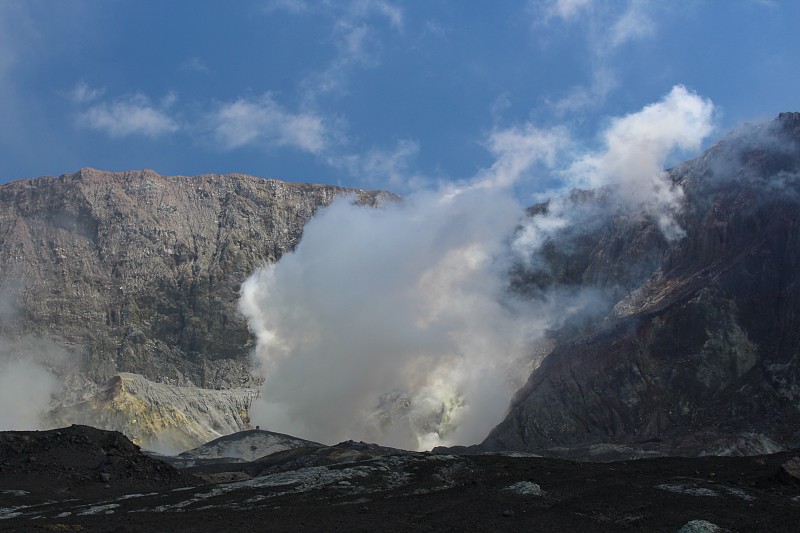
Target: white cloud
(345,11)
(637,147)
(517,150)
(264,122)
(194,64)
(581,97)
(390,168)
(566,9)
(609,24)
(363,8)
(635,23)
(605,27)
(355,34)
(357,46)
(123,117)
(631,164)
(82,93)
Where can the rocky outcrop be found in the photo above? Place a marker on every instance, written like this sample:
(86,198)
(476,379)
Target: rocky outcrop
(704,355)
(158,416)
(79,458)
(246,446)
(136,272)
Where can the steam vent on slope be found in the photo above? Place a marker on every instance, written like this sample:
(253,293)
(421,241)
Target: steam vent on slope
(615,325)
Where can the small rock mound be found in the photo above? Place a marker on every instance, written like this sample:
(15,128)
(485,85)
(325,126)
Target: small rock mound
(789,471)
(78,455)
(700,526)
(248,446)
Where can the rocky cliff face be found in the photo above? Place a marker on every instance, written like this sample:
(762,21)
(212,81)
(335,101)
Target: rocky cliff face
(701,352)
(161,417)
(125,285)
(136,272)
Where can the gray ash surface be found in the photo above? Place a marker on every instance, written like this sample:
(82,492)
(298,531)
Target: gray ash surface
(358,487)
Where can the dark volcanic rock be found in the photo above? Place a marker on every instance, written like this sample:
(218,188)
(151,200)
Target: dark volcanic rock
(246,446)
(362,487)
(704,356)
(790,471)
(79,457)
(140,273)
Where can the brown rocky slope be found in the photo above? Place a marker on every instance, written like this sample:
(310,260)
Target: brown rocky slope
(702,354)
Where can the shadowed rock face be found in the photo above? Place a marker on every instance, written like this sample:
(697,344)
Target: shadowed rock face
(82,479)
(137,272)
(704,356)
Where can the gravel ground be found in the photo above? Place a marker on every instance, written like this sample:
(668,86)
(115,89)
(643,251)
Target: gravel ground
(83,479)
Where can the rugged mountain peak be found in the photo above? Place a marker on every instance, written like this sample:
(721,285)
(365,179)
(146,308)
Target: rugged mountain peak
(125,285)
(138,272)
(701,355)
(790,121)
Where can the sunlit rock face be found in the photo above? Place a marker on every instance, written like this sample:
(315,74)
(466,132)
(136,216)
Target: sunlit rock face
(701,353)
(137,272)
(158,416)
(108,273)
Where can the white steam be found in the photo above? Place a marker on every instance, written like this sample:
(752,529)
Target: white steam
(637,147)
(395,325)
(28,382)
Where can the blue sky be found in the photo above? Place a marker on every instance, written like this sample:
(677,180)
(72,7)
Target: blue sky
(367,93)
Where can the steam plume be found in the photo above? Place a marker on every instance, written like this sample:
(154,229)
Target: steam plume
(28,382)
(396,325)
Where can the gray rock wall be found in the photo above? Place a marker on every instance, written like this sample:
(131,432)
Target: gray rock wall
(137,272)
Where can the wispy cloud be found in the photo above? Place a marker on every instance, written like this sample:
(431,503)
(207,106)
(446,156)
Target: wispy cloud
(606,27)
(194,64)
(390,167)
(565,9)
(584,96)
(517,150)
(264,122)
(82,93)
(356,28)
(133,115)
(610,25)
(341,11)
(357,47)
(392,13)
(635,23)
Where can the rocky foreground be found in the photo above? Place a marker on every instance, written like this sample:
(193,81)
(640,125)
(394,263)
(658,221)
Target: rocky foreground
(83,479)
